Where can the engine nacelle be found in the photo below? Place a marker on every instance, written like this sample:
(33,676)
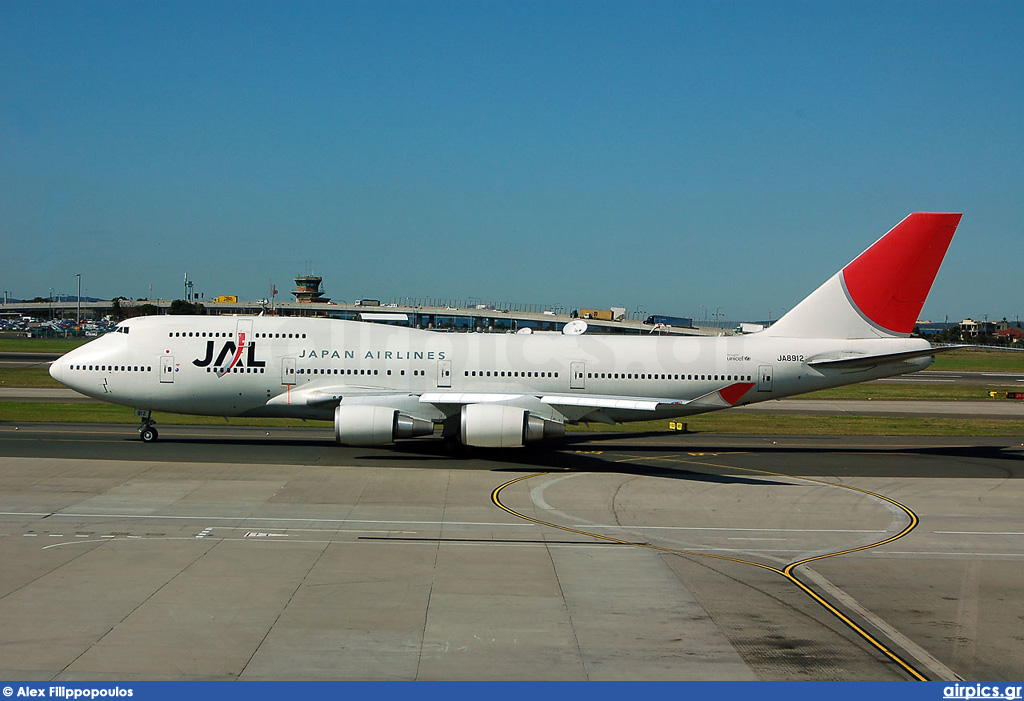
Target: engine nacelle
(500,426)
(363,424)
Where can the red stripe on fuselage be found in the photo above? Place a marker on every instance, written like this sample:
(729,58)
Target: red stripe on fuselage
(238,354)
(733,393)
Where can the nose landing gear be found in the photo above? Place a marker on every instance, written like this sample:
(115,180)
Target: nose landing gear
(147,429)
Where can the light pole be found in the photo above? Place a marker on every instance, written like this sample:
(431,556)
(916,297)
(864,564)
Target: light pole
(78,319)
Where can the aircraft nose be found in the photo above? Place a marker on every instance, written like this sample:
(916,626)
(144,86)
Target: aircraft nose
(55,369)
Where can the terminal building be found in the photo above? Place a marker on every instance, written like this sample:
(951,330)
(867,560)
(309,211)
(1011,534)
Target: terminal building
(438,315)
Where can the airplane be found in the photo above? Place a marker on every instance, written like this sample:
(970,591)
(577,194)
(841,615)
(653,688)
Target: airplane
(382,383)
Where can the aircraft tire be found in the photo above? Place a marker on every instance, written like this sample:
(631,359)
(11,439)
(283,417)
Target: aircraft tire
(455,448)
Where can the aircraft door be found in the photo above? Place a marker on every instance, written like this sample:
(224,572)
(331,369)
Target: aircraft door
(577,375)
(287,371)
(764,378)
(243,337)
(444,373)
(167,368)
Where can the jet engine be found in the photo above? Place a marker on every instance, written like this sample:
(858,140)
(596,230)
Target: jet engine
(376,425)
(501,426)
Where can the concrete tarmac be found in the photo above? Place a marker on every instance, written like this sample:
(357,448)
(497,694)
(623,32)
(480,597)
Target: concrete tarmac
(228,553)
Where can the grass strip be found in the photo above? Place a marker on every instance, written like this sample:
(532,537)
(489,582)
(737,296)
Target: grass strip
(910,391)
(27,377)
(979,360)
(82,412)
(724,422)
(40,345)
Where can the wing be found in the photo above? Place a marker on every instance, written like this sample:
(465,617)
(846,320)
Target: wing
(600,408)
(327,395)
(561,407)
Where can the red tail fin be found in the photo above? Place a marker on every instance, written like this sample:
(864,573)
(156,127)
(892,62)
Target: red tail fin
(881,293)
(890,281)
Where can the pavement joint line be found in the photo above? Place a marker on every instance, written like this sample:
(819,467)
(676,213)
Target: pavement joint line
(506,544)
(270,518)
(720,528)
(788,571)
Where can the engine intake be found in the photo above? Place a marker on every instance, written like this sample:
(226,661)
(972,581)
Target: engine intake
(501,426)
(376,425)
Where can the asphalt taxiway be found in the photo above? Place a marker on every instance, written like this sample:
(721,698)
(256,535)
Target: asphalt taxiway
(234,553)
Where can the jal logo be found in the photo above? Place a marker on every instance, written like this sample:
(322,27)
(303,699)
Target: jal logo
(232,351)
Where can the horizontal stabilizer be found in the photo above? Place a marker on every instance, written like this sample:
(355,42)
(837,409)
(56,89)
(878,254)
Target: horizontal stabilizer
(857,361)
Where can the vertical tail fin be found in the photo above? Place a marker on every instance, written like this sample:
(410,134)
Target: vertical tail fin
(881,292)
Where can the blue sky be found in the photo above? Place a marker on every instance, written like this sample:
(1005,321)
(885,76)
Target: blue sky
(668,156)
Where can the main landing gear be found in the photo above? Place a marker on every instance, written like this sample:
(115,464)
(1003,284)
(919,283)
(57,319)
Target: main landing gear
(147,430)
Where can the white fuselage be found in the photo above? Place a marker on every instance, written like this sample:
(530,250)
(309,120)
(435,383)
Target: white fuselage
(194,365)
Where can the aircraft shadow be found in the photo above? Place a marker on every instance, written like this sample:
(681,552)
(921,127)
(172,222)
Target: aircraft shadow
(571,455)
(610,453)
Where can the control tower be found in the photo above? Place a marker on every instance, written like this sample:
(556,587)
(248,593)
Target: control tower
(307,289)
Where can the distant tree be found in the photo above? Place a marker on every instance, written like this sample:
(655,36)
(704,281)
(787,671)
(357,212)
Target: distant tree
(180,306)
(147,310)
(949,334)
(117,312)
